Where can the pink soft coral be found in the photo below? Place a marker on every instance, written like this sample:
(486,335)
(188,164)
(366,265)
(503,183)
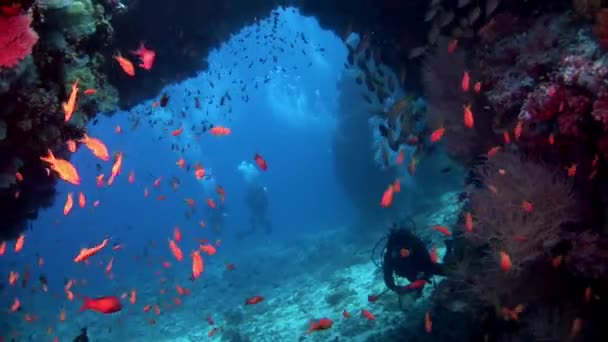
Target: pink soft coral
(16,39)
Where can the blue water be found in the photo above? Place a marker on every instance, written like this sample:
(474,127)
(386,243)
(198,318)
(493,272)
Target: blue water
(290,121)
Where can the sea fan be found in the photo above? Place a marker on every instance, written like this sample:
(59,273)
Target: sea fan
(16,39)
(502,222)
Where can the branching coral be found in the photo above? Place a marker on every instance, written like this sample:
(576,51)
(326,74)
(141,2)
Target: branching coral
(504,223)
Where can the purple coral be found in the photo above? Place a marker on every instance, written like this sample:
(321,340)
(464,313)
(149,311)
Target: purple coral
(16,39)
(600,108)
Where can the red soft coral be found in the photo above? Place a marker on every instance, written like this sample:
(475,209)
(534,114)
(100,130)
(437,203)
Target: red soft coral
(16,39)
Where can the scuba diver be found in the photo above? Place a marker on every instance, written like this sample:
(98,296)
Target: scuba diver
(83,336)
(216,218)
(407,256)
(256,200)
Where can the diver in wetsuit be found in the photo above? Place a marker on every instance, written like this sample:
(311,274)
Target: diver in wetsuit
(256,200)
(406,256)
(83,336)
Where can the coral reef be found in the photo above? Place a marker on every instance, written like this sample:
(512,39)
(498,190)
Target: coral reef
(39,63)
(16,39)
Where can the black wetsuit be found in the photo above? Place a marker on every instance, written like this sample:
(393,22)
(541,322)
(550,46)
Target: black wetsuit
(416,266)
(257,201)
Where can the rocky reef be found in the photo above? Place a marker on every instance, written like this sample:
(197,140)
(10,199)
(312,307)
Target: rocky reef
(46,46)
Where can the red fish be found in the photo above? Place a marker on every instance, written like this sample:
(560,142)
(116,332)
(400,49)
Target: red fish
(468,116)
(387,197)
(125,65)
(367,315)
(260,161)
(104,305)
(254,300)
(437,134)
(464,84)
(416,284)
(443,230)
(210,203)
(321,324)
(452,46)
(146,57)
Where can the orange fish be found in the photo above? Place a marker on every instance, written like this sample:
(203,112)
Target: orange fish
(177,131)
(452,44)
(96,146)
(443,230)
(63,168)
(189,202)
(132,297)
(19,243)
(219,130)
(177,253)
(177,235)
(81,200)
(12,277)
(2,247)
(199,172)
(468,222)
(551,139)
(575,329)
(90,91)
(15,306)
(68,107)
(404,253)
(493,151)
(71,145)
(506,137)
(387,197)
(254,300)
(211,203)
(428,324)
(464,83)
(209,249)
(197,264)
(437,134)
(117,129)
(156,182)
(131,177)
(125,65)
(367,315)
(261,162)
(220,192)
(468,116)
(400,157)
(99,180)
(69,202)
(433,255)
(85,253)
(505,261)
(571,170)
(115,167)
(180,163)
(397,185)
(517,131)
(321,324)
(477,87)
(62,315)
(109,265)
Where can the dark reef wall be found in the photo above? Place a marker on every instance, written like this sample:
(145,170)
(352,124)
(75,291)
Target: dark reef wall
(183,32)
